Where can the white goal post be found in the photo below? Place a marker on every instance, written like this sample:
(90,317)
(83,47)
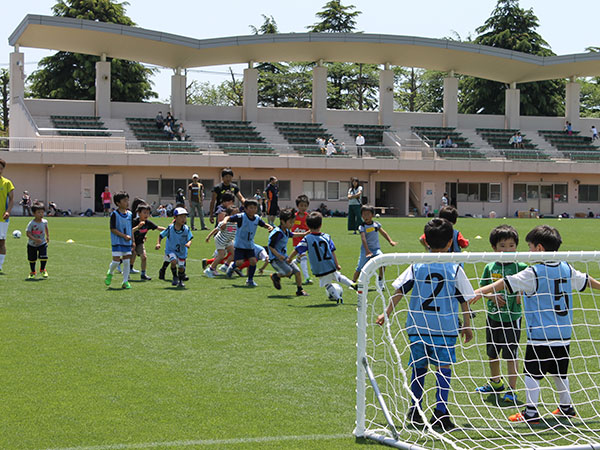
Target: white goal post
(383,382)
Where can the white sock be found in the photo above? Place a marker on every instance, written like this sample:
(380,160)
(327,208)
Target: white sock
(2,260)
(562,386)
(113,266)
(532,391)
(126,269)
(344,280)
(304,267)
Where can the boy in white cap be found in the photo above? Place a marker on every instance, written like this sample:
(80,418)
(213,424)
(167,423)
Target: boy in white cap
(179,238)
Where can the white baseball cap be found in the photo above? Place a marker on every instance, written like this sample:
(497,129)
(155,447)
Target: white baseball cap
(179,211)
(195,176)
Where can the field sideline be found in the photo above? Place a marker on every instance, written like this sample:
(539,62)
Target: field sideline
(216,365)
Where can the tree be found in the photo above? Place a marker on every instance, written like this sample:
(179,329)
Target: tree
(590,93)
(335,18)
(419,90)
(72,75)
(512,28)
(269,26)
(4,98)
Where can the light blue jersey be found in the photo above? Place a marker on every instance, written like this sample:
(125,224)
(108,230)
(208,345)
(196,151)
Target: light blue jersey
(122,223)
(246,230)
(176,240)
(371,235)
(278,239)
(455,248)
(437,290)
(320,248)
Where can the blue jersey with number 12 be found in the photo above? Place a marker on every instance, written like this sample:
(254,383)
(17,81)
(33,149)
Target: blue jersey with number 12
(176,240)
(320,250)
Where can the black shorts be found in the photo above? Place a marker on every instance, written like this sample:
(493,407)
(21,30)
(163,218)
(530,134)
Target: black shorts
(35,253)
(273,210)
(543,359)
(503,338)
(240,254)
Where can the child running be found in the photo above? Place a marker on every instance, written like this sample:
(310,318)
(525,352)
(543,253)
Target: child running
(143,211)
(300,226)
(224,236)
(322,257)
(179,238)
(548,307)
(503,328)
(459,242)
(39,237)
(278,239)
(247,222)
(438,291)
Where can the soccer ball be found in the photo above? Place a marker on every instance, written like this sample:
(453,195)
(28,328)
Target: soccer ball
(17,234)
(335,292)
(377,215)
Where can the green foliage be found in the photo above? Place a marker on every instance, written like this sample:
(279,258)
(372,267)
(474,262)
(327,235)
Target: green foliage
(335,18)
(67,75)
(227,93)
(512,28)
(590,93)
(419,90)
(269,26)
(4,98)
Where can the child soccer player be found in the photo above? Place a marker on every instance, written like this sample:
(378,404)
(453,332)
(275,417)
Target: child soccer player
(369,236)
(322,257)
(243,244)
(37,246)
(438,291)
(278,239)
(143,211)
(300,226)
(225,235)
(548,307)
(179,238)
(120,236)
(450,213)
(503,329)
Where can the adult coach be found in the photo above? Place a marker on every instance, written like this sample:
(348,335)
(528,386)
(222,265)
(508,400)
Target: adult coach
(224,186)
(272,191)
(6,203)
(354,204)
(196,195)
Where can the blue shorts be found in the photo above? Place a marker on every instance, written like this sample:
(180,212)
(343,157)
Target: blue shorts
(362,259)
(241,254)
(434,350)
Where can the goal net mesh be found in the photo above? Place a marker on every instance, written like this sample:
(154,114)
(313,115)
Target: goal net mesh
(481,419)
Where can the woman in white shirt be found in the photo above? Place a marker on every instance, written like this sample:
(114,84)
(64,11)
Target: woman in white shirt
(354,205)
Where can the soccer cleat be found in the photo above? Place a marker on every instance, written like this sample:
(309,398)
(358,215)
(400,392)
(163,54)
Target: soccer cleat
(562,412)
(44,273)
(175,281)
(145,277)
(229,272)
(31,276)
(126,285)
(301,293)
(184,277)
(414,417)
(308,281)
(441,420)
(354,286)
(223,268)
(108,278)
(161,274)
(132,270)
(340,301)
(276,280)
(510,397)
(488,388)
(238,272)
(524,417)
(210,273)
(180,284)
(251,283)
(204,264)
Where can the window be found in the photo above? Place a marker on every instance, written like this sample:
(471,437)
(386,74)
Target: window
(519,192)
(588,193)
(152,187)
(314,190)
(561,193)
(333,190)
(169,186)
(495,192)
(479,192)
(249,187)
(285,190)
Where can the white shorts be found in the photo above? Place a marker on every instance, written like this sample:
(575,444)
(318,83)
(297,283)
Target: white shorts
(3,230)
(263,256)
(224,247)
(121,254)
(173,257)
(332,277)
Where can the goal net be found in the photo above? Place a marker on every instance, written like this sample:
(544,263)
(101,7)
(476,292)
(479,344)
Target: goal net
(386,399)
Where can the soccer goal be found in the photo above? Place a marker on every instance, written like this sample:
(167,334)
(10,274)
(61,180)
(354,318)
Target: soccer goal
(384,394)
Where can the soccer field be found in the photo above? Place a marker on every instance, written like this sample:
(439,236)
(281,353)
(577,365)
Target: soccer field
(216,365)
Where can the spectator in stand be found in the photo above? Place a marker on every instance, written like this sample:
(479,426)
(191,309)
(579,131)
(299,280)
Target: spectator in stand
(569,128)
(106,197)
(321,144)
(170,120)
(354,205)
(448,142)
(26,203)
(520,140)
(594,133)
(168,131)
(513,140)
(160,121)
(196,195)
(360,141)
(181,132)
(330,149)
(343,150)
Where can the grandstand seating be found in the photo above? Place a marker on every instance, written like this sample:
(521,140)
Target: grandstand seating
(574,146)
(237,137)
(373,135)
(463,149)
(498,138)
(80,126)
(154,139)
(303,137)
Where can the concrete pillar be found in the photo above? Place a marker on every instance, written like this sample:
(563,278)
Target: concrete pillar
(17,76)
(572,95)
(386,96)
(250,101)
(450,116)
(178,85)
(103,88)
(512,108)
(319,94)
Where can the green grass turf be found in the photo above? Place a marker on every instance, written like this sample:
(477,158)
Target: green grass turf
(82,365)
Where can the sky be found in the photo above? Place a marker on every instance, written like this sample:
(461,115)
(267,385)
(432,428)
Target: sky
(569,27)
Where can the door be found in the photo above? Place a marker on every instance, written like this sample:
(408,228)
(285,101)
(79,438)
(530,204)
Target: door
(546,199)
(87,191)
(100,182)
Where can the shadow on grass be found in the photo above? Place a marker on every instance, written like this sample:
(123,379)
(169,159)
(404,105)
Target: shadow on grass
(496,400)
(287,297)
(34,280)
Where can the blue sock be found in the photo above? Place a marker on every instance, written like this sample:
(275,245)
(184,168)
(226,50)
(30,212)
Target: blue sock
(251,270)
(443,377)
(417,382)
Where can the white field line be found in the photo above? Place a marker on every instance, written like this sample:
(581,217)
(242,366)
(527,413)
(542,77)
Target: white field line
(208,442)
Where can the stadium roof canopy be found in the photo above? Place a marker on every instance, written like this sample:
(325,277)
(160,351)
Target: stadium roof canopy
(169,50)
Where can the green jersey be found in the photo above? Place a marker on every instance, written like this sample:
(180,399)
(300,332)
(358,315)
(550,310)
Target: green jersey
(512,309)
